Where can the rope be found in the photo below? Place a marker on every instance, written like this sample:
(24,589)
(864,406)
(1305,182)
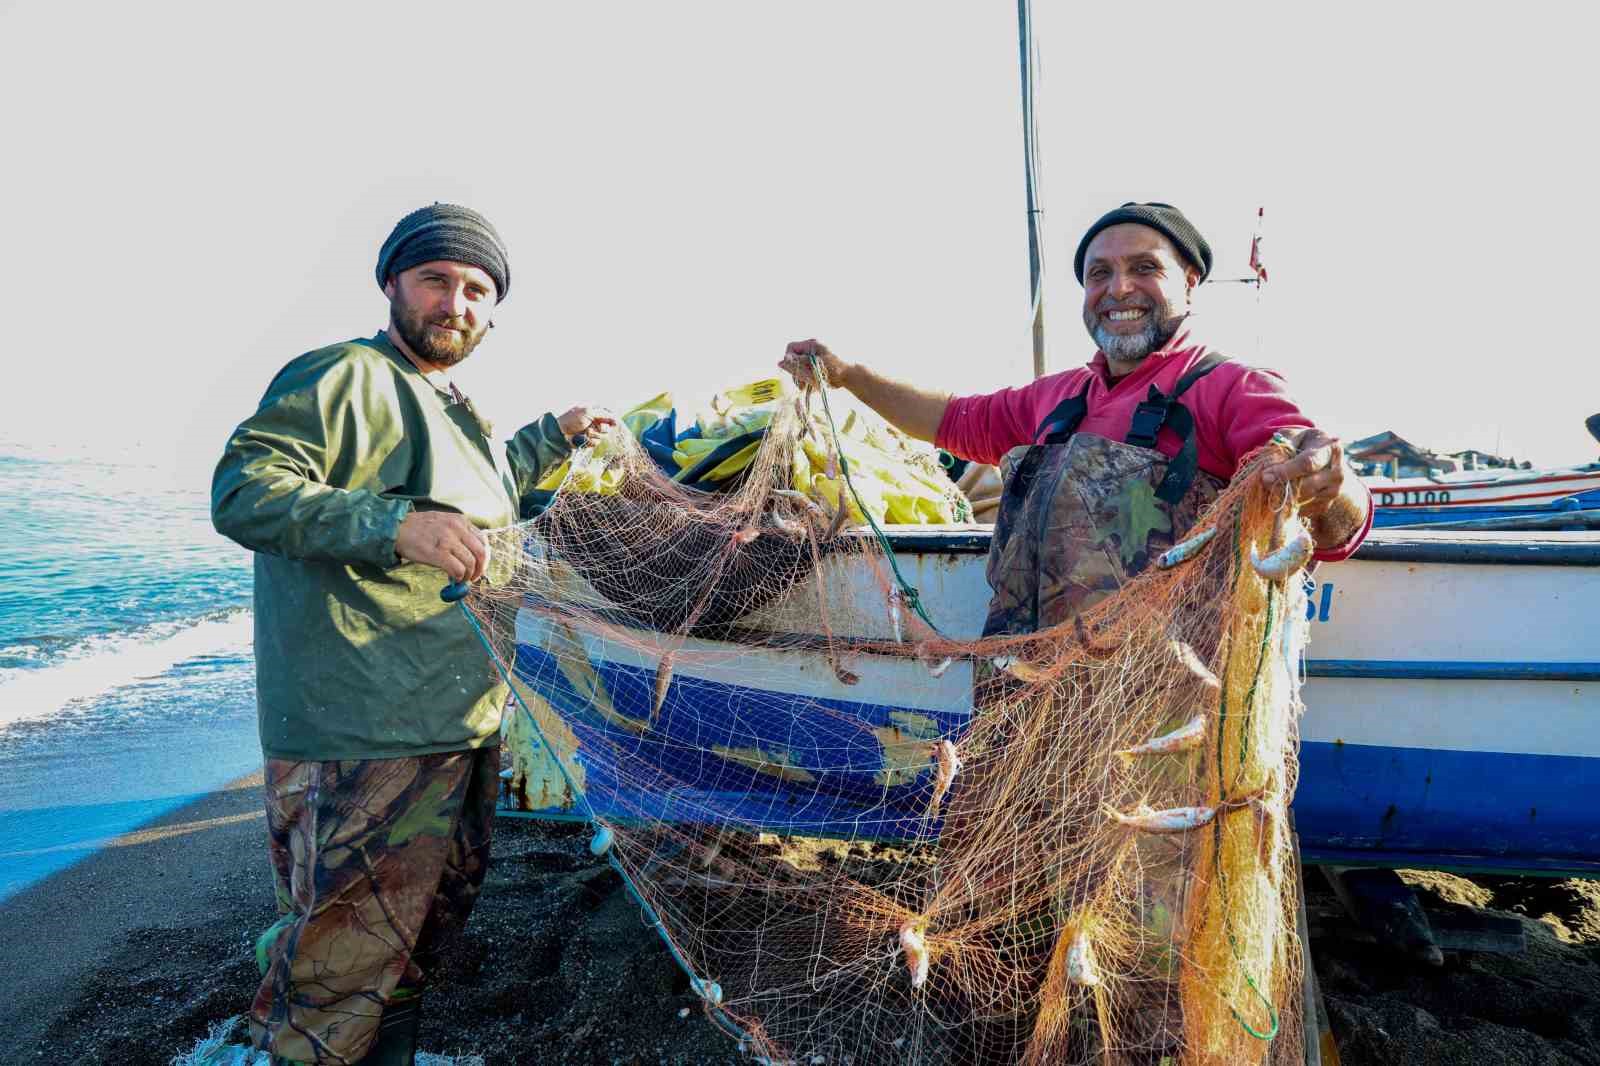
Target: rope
(908,591)
(718,1016)
(1216,824)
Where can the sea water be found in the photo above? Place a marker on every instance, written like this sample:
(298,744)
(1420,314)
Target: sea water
(127,682)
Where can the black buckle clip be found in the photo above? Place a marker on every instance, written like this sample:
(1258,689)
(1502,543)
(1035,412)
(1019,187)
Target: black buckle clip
(1148,418)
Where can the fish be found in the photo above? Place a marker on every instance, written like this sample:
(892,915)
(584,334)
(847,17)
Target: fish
(949,763)
(1179,553)
(1186,737)
(805,501)
(916,951)
(784,525)
(895,597)
(663,682)
(1187,656)
(1095,650)
(1018,668)
(1080,961)
(845,676)
(1294,555)
(1172,820)
(936,667)
(746,535)
(838,520)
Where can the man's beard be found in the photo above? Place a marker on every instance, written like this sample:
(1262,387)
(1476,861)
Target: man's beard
(440,349)
(1160,325)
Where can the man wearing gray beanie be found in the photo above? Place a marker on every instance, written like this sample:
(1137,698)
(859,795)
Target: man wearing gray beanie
(1151,385)
(1108,465)
(363,482)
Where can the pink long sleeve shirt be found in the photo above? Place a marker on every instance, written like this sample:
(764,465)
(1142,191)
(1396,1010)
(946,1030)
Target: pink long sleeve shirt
(1236,410)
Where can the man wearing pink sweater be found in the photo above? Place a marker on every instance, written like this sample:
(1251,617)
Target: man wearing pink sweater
(1106,466)
(1145,434)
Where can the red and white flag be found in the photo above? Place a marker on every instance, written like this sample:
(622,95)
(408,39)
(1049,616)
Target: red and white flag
(1255,249)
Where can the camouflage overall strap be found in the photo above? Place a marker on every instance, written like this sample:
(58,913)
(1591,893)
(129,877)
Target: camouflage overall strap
(1161,410)
(1060,424)
(1057,428)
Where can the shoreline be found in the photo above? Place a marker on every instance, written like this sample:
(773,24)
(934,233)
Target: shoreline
(132,953)
(160,875)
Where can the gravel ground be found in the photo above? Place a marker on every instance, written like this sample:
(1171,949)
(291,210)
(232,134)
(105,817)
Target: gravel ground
(1538,1007)
(146,943)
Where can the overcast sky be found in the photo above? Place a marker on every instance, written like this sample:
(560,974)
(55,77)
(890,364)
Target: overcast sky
(196,194)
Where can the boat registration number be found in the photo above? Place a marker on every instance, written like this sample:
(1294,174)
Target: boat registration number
(1407,497)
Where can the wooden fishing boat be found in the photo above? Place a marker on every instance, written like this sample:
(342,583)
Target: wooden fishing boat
(1452,706)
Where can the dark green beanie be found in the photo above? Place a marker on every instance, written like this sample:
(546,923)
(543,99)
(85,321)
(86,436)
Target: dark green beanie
(1164,218)
(446,231)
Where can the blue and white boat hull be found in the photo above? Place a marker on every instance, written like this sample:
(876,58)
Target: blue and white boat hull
(1453,704)
(1452,708)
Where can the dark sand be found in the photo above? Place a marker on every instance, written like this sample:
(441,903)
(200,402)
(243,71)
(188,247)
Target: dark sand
(128,956)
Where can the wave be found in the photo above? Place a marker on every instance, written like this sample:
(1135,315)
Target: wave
(99,664)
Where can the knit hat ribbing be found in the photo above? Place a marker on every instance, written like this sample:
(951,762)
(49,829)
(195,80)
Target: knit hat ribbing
(446,231)
(1165,219)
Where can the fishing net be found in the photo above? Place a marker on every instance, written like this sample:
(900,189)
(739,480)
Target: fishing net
(870,836)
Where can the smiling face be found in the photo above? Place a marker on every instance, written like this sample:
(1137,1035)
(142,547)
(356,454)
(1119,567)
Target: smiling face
(439,311)
(1136,292)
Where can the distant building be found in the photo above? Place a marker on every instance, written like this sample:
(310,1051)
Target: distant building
(1391,455)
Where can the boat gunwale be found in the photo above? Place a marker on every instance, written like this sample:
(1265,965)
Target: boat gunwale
(1393,544)
(1591,472)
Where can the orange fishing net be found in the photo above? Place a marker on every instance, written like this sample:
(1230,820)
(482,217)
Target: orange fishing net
(856,860)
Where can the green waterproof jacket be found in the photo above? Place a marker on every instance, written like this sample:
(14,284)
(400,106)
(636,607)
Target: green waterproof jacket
(356,655)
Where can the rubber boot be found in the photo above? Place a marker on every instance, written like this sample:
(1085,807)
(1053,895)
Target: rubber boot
(396,1044)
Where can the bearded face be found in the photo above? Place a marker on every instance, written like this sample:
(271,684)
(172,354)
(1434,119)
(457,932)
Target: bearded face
(437,336)
(440,310)
(1135,292)
(1129,329)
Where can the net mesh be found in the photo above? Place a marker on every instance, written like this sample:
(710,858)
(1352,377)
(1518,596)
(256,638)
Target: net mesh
(873,841)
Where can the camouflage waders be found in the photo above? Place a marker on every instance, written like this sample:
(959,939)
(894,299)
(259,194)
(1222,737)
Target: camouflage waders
(377,864)
(1081,515)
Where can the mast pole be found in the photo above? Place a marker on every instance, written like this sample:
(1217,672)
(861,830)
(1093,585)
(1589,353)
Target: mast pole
(1030,169)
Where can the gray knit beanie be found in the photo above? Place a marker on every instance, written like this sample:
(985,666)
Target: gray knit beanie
(446,231)
(1164,218)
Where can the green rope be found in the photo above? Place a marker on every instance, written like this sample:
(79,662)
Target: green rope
(1271,1011)
(1255,682)
(908,591)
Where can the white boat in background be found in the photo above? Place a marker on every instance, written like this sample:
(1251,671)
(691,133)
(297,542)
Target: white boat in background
(1452,707)
(1484,495)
